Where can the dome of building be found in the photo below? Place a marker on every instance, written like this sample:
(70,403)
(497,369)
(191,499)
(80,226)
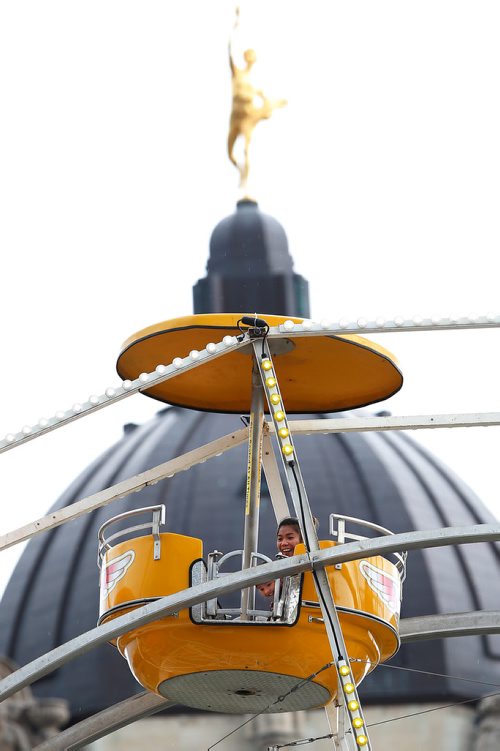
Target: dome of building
(386,478)
(249,262)
(246,235)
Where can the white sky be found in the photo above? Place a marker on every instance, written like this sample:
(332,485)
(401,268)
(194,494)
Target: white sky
(383,168)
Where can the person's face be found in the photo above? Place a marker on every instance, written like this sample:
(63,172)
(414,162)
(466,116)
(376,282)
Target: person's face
(266,588)
(288,538)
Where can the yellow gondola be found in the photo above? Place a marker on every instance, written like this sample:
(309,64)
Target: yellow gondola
(245,659)
(229,666)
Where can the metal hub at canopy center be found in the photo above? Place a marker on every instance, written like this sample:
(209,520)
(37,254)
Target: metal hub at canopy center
(316,373)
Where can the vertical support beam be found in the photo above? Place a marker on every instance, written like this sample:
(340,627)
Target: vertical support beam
(335,715)
(252,504)
(273,478)
(347,690)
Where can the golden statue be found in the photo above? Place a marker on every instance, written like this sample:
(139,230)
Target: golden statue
(250,106)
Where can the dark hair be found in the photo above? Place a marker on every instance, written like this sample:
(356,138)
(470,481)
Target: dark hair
(289,521)
(292,521)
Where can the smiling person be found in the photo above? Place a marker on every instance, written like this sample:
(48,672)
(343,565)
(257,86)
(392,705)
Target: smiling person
(288,536)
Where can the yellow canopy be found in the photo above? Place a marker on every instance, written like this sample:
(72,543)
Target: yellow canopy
(315,373)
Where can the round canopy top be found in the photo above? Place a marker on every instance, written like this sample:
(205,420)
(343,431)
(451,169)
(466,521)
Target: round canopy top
(315,373)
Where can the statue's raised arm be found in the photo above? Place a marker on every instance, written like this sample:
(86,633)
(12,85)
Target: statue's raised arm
(230,44)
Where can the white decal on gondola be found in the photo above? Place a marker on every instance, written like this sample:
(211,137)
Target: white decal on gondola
(115,570)
(386,586)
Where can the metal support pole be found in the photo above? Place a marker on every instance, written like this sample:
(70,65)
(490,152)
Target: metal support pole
(335,715)
(252,504)
(273,478)
(346,684)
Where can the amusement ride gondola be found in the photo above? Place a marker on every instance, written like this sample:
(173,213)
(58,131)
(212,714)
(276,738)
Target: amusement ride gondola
(346,617)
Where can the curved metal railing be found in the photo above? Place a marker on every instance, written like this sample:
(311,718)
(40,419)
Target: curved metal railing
(339,531)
